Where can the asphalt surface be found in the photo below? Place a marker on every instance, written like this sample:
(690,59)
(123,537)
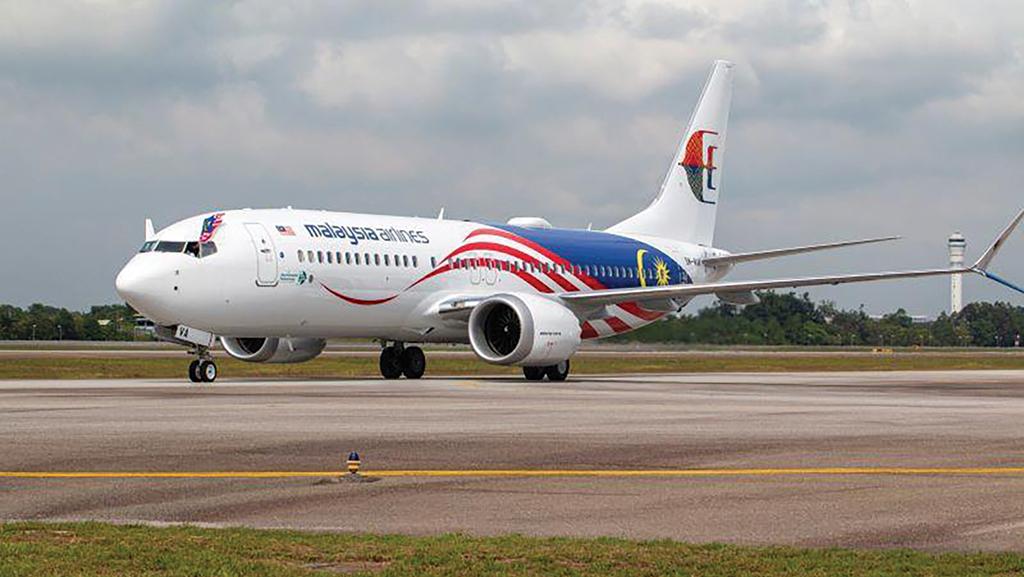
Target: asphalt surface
(731,421)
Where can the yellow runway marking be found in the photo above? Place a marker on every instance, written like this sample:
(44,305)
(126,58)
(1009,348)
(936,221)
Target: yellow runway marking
(805,471)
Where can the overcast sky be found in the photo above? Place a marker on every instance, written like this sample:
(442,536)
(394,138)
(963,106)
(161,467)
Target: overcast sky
(850,119)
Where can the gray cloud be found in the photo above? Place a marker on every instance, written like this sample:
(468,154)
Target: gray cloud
(850,119)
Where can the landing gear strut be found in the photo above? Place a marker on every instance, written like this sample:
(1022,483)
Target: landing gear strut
(203,369)
(558,372)
(397,360)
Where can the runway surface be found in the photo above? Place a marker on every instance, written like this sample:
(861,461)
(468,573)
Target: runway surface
(931,460)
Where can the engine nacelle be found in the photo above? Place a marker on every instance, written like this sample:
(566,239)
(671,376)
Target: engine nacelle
(523,330)
(273,349)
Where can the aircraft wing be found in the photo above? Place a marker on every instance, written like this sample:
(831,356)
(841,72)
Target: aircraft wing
(775,253)
(687,291)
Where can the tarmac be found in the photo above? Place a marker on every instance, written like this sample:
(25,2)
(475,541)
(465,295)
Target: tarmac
(931,460)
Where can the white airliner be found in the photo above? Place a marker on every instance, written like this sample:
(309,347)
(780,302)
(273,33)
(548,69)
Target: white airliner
(274,284)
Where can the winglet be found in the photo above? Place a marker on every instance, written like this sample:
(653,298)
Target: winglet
(982,264)
(150,233)
(981,267)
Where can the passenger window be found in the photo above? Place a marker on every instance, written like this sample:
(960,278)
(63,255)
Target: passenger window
(337,257)
(302,257)
(366,258)
(357,258)
(433,262)
(376,259)
(415,263)
(320,256)
(208,248)
(405,260)
(330,258)
(387,260)
(348,258)
(309,256)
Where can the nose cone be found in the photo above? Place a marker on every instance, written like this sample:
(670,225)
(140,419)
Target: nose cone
(139,284)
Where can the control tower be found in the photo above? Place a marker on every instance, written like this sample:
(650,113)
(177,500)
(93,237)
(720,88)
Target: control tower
(957,245)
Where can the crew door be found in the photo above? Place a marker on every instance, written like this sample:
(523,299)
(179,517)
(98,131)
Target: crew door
(266,257)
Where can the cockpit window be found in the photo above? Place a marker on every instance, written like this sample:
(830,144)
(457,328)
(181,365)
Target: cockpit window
(207,248)
(148,246)
(192,248)
(170,246)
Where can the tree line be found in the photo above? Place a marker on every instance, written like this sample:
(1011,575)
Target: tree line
(779,319)
(790,319)
(47,323)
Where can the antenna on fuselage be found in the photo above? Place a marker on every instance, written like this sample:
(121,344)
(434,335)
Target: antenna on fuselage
(150,232)
(440,215)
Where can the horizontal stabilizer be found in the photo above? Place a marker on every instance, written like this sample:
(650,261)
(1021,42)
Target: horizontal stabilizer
(775,253)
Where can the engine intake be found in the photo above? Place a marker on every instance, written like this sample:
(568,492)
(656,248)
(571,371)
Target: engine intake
(523,330)
(273,349)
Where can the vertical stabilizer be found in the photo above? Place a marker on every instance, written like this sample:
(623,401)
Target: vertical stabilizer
(685,206)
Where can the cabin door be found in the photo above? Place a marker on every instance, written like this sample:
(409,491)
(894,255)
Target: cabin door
(266,255)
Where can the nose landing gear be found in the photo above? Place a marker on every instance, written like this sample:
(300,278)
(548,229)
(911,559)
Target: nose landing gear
(397,360)
(203,369)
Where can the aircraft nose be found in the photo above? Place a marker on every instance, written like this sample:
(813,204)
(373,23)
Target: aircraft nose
(129,281)
(138,284)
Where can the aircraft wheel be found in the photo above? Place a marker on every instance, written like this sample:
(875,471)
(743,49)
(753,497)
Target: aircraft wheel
(208,371)
(193,372)
(414,362)
(558,372)
(390,363)
(533,373)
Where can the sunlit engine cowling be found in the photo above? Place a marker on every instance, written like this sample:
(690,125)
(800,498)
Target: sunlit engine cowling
(272,349)
(523,330)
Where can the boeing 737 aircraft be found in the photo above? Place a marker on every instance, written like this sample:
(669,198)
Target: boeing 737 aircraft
(273,285)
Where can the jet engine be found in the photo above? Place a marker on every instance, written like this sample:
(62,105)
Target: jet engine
(273,349)
(524,330)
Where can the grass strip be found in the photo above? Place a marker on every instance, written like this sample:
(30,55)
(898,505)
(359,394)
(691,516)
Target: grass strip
(85,549)
(340,367)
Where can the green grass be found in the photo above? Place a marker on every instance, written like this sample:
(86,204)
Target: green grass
(80,549)
(340,366)
(346,367)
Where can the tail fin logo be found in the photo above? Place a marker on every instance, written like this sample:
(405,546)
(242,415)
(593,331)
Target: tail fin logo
(696,160)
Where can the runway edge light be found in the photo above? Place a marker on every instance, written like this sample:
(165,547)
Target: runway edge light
(353,463)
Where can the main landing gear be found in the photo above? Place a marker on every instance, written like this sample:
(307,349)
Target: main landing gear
(203,369)
(397,360)
(558,372)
